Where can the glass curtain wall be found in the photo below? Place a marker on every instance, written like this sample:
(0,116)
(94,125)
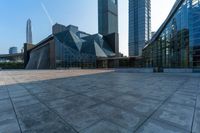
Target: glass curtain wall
(67,57)
(178,45)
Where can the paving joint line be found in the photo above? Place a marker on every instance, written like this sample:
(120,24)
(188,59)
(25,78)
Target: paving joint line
(52,110)
(160,106)
(64,122)
(14,110)
(194,114)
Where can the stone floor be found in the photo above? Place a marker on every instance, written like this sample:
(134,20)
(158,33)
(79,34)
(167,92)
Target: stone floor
(98,101)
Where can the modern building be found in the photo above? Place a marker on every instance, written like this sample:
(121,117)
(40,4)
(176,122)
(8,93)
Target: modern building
(107,16)
(108,20)
(28,32)
(68,47)
(139,25)
(177,42)
(13,50)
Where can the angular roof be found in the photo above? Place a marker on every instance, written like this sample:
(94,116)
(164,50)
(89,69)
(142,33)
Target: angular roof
(176,6)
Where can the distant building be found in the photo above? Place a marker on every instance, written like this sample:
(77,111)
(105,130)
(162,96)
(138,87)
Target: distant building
(13,50)
(108,21)
(18,57)
(28,32)
(139,25)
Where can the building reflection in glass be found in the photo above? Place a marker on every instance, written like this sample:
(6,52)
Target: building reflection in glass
(177,42)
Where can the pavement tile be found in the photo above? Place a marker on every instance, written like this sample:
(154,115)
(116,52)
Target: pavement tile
(198,102)
(58,103)
(186,93)
(124,101)
(178,115)
(196,124)
(95,92)
(49,96)
(30,109)
(103,95)
(18,92)
(34,120)
(154,93)
(9,126)
(129,121)
(82,101)
(15,87)
(8,115)
(82,120)
(191,89)
(73,105)
(30,85)
(5,105)
(77,89)
(3,88)
(105,127)
(4,95)
(69,109)
(35,89)
(24,101)
(153,126)
(144,106)
(52,127)
(183,99)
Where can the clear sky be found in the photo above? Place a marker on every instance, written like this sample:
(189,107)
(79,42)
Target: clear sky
(82,13)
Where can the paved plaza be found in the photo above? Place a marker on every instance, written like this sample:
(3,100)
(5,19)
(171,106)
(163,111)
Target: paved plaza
(98,101)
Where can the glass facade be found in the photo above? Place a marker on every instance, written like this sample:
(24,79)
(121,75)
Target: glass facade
(107,16)
(68,47)
(177,43)
(139,25)
(68,55)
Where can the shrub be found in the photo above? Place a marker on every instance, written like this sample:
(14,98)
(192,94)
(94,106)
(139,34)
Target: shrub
(11,65)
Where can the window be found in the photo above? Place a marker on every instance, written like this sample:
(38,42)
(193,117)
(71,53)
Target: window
(114,1)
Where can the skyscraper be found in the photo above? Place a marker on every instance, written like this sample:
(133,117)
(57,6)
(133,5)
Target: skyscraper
(108,22)
(108,16)
(139,25)
(28,32)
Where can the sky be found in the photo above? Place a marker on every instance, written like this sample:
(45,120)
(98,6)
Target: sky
(82,13)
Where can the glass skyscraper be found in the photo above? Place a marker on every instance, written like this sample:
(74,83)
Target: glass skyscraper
(108,16)
(139,25)
(28,32)
(108,22)
(177,42)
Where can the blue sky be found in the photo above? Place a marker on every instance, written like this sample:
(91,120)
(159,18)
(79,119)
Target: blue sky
(82,13)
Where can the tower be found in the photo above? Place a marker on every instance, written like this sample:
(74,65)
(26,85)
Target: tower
(28,32)
(108,22)
(107,16)
(139,25)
